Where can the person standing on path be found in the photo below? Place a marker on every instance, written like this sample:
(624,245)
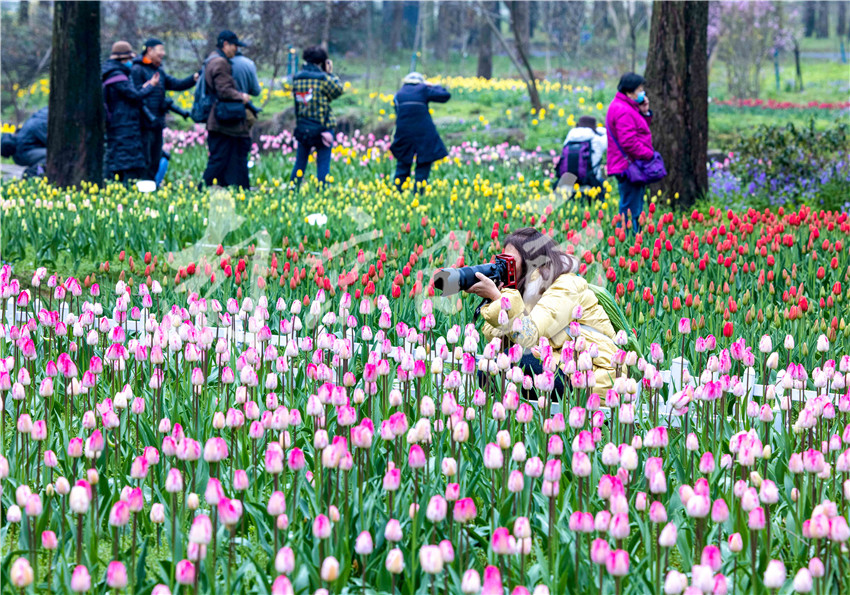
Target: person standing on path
(228,140)
(153,122)
(123,101)
(415,133)
(629,139)
(313,89)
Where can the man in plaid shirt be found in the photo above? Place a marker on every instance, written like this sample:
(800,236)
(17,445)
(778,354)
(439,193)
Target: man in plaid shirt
(313,89)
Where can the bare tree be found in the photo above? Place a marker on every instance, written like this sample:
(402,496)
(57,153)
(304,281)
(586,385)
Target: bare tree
(75,118)
(516,55)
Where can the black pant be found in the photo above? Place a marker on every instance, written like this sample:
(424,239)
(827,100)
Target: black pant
(532,366)
(152,149)
(402,172)
(31,157)
(228,160)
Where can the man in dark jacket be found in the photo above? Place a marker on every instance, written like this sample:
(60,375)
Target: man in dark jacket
(123,101)
(313,89)
(31,148)
(153,120)
(228,141)
(415,133)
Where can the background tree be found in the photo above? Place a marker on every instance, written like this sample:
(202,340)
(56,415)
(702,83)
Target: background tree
(76,118)
(677,77)
(822,22)
(516,54)
(26,57)
(485,45)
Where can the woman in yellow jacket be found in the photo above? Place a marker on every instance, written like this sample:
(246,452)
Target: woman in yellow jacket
(548,295)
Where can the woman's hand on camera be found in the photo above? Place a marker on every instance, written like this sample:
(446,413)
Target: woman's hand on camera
(485,288)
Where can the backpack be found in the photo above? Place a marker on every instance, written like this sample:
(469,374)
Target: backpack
(576,159)
(617,318)
(203,103)
(118,78)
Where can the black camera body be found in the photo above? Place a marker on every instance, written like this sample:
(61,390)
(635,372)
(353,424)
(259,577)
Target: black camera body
(502,271)
(169,106)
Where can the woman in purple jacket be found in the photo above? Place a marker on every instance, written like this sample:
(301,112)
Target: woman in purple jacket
(629,138)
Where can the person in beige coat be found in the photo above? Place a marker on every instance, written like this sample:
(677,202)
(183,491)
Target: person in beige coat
(551,304)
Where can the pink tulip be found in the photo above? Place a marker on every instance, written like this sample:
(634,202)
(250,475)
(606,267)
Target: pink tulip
(492,581)
(185,572)
(116,575)
(80,579)
(21,574)
(617,563)
(321,527)
(119,514)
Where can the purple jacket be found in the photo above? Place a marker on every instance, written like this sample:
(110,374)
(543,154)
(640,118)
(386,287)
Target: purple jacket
(632,131)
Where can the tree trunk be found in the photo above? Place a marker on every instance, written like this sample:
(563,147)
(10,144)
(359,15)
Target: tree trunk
(326,25)
(809,12)
(370,45)
(23,13)
(397,9)
(485,44)
(822,23)
(521,62)
(798,82)
(841,23)
(519,23)
(76,120)
(677,81)
(442,32)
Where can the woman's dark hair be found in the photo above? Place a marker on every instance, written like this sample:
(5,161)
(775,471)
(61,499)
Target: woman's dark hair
(539,251)
(315,54)
(629,82)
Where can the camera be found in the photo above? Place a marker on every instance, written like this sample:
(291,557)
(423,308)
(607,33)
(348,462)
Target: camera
(168,105)
(149,115)
(452,281)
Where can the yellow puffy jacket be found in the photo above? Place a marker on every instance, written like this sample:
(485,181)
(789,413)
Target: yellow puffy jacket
(550,318)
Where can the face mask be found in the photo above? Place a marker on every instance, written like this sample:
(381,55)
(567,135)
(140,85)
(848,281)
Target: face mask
(128,63)
(641,96)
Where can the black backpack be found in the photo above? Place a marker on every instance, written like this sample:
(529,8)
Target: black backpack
(204,101)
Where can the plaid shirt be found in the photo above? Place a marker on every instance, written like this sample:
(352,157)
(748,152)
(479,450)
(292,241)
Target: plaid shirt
(313,90)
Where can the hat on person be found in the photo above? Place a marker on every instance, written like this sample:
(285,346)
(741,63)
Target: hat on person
(587,122)
(413,78)
(151,42)
(230,37)
(122,49)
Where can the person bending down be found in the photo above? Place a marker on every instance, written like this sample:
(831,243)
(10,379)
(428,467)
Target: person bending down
(415,133)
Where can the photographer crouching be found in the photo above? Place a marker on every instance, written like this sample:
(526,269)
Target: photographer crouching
(534,298)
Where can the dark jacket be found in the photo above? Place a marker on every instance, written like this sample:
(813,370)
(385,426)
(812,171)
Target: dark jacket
(218,76)
(32,135)
(313,89)
(142,73)
(123,128)
(415,133)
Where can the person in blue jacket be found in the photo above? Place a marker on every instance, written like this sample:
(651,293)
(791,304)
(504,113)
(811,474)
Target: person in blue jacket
(415,133)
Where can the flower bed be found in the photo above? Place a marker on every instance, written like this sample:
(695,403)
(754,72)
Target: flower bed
(281,404)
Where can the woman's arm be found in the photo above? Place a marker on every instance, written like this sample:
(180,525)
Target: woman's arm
(552,313)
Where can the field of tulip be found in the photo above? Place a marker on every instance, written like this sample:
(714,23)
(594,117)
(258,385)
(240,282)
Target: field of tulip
(261,392)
